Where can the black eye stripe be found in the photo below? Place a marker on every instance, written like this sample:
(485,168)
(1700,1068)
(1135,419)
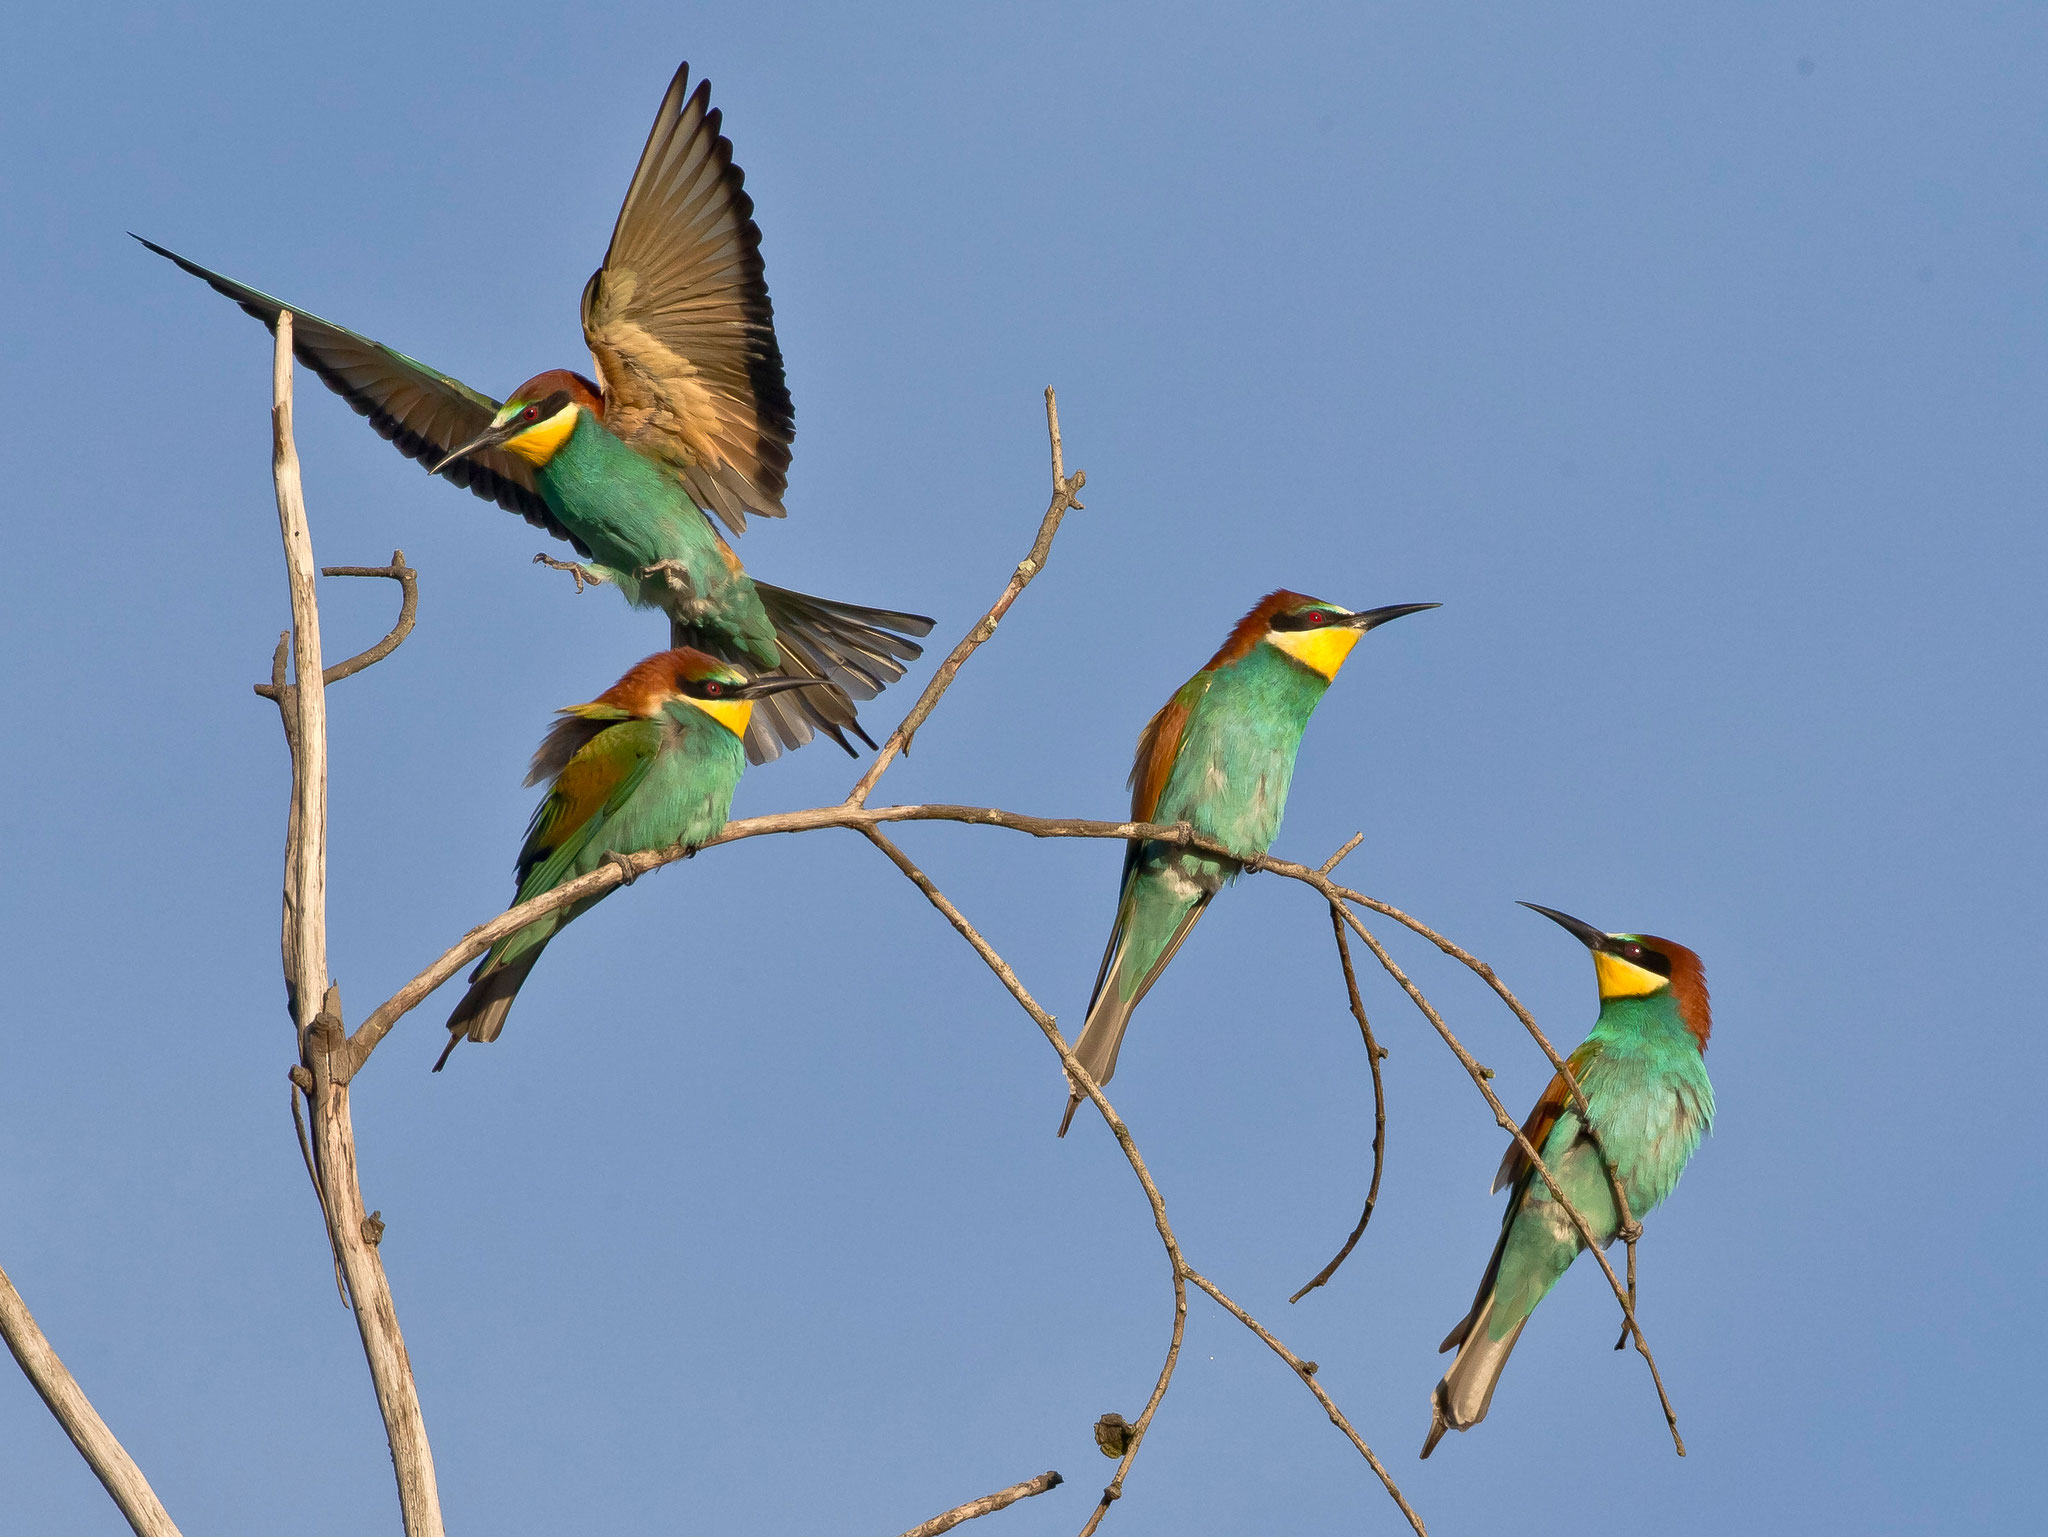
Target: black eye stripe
(1304,619)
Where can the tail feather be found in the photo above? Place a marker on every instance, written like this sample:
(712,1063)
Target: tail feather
(1128,971)
(1460,1400)
(859,650)
(481,1014)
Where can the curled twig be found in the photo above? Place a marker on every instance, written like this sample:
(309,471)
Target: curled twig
(1374,1053)
(408,612)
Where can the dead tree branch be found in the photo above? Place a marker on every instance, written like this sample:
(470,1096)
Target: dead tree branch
(945,1521)
(315,1000)
(59,1390)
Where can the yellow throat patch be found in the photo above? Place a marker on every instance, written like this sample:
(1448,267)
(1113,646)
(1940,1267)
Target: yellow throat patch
(1321,651)
(1622,979)
(540,442)
(733,714)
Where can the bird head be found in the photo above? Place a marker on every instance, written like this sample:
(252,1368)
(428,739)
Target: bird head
(1641,966)
(537,420)
(1316,634)
(689,678)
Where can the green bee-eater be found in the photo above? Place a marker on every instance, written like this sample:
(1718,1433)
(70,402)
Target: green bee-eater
(650,762)
(1644,1074)
(692,420)
(1218,757)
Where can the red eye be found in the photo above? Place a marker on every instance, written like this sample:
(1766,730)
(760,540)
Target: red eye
(531,413)
(714,689)
(1318,617)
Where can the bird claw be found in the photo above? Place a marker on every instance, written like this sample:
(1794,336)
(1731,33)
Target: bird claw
(624,864)
(580,572)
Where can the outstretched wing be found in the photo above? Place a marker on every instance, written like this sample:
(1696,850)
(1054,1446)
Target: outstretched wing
(679,321)
(425,414)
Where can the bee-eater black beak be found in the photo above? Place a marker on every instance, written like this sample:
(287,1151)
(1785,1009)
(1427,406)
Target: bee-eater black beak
(485,439)
(1373,618)
(762,686)
(1578,928)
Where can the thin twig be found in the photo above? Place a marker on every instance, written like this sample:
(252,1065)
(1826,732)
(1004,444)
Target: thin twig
(1065,490)
(1050,1028)
(1306,1371)
(408,611)
(1373,1054)
(947,1520)
(59,1390)
(319,1190)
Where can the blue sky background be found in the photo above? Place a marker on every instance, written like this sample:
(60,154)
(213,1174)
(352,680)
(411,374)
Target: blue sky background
(1693,361)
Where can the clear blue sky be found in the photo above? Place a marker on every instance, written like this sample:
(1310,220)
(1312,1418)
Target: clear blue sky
(1694,362)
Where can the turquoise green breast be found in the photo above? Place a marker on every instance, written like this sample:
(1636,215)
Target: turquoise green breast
(631,512)
(1649,1094)
(1236,760)
(687,794)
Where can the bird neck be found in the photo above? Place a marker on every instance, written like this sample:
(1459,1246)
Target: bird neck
(1273,685)
(1649,1017)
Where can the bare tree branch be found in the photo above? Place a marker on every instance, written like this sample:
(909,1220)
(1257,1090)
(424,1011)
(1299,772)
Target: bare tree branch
(1064,494)
(947,1520)
(319,1022)
(58,1389)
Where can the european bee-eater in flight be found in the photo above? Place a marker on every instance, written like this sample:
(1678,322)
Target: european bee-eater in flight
(1644,1074)
(692,420)
(650,762)
(1218,757)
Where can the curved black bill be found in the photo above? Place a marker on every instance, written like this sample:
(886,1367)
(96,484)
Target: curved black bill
(1373,618)
(762,686)
(1578,928)
(484,439)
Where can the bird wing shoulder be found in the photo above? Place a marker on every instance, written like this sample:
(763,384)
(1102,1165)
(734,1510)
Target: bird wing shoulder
(679,322)
(591,787)
(1159,747)
(1556,1099)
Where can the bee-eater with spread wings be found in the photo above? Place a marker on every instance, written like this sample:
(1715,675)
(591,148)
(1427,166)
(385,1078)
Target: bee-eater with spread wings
(650,762)
(692,420)
(1218,757)
(1644,1074)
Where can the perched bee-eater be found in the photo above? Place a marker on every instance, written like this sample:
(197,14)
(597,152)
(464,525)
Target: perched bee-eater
(1219,757)
(1644,1075)
(650,762)
(692,420)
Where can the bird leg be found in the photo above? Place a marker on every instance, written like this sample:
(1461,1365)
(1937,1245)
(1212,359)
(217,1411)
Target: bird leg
(624,863)
(580,572)
(684,604)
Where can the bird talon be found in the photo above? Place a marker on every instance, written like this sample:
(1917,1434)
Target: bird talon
(580,573)
(624,862)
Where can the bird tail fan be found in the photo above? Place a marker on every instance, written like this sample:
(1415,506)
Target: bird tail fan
(1461,1399)
(481,1014)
